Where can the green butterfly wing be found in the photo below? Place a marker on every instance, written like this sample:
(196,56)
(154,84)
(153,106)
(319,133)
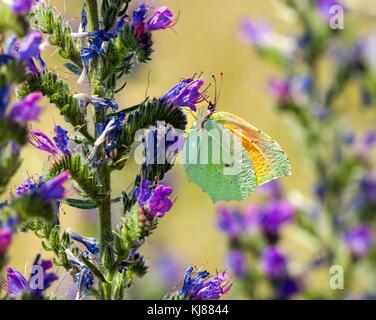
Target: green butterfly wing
(223,170)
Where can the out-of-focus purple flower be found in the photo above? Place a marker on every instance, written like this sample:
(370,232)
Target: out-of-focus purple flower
(288,287)
(231,222)
(169,268)
(43,142)
(61,139)
(368,188)
(275,215)
(53,190)
(186,93)
(324,8)
(154,199)
(262,36)
(48,277)
(237,263)
(28,185)
(273,263)
(22,6)
(5,239)
(359,240)
(16,282)
(271,190)
(26,109)
(281,89)
(89,243)
(30,46)
(251,218)
(161,18)
(199,285)
(364,145)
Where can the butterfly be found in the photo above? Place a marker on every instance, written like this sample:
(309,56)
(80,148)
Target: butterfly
(228,158)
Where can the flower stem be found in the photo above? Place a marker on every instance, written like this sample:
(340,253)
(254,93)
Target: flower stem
(103,172)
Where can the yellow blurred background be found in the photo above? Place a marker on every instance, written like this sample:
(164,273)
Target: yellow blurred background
(206,39)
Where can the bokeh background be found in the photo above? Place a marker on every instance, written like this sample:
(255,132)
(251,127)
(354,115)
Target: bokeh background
(206,39)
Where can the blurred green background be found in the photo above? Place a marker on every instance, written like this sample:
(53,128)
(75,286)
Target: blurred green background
(206,39)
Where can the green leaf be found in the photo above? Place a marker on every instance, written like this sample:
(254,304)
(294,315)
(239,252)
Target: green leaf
(48,20)
(60,94)
(80,172)
(29,206)
(81,203)
(94,269)
(74,68)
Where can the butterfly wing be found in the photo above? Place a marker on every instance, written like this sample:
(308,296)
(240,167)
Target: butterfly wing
(268,159)
(225,173)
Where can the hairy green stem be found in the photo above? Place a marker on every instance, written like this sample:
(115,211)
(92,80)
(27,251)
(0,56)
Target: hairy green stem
(103,172)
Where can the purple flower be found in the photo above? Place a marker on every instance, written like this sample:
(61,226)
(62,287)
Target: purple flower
(359,240)
(275,215)
(288,287)
(26,109)
(231,222)
(16,282)
(138,21)
(273,263)
(368,188)
(159,203)
(186,93)
(169,268)
(154,200)
(43,142)
(30,46)
(199,285)
(237,263)
(364,145)
(22,6)
(28,185)
(144,192)
(281,89)
(262,36)
(89,243)
(53,190)
(5,239)
(271,190)
(324,8)
(161,18)
(61,139)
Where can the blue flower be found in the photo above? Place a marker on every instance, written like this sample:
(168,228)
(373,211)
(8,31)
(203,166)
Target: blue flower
(288,287)
(53,190)
(199,285)
(89,243)
(61,139)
